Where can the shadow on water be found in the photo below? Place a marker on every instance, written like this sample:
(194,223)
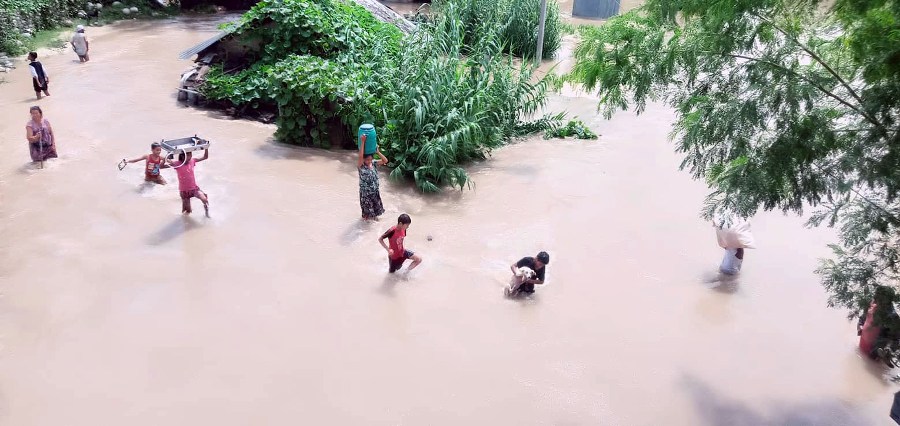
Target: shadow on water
(29,168)
(145,187)
(876,368)
(355,231)
(715,409)
(722,283)
(389,284)
(176,227)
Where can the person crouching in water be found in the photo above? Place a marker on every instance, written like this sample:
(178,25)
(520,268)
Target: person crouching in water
(538,264)
(187,184)
(153,164)
(369,194)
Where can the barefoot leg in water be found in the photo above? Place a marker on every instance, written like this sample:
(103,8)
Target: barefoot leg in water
(202,196)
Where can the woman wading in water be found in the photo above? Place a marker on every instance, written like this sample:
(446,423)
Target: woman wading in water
(369,194)
(41,142)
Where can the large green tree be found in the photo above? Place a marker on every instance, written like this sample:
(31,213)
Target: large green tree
(788,105)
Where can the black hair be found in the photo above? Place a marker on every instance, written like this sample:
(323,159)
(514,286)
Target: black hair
(155,145)
(404,218)
(884,297)
(368,156)
(32,55)
(36,108)
(544,258)
(182,157)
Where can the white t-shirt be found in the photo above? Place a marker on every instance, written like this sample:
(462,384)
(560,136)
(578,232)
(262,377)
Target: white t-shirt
(731,265)
(79,42)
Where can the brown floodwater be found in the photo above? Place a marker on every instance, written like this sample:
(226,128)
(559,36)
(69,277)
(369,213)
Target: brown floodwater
(278,310)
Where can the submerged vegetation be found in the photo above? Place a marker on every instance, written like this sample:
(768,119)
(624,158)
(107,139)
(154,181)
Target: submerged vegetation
(574,128)
(447,94)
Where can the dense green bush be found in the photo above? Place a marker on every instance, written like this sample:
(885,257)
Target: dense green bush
(445,95)
(31,16)
(18,16)
(314,57)
(518,20)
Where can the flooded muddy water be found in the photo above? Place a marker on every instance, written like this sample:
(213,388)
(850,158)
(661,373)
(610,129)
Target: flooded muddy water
(278,310)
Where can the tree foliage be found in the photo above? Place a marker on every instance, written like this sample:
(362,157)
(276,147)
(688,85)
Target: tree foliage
(780,105)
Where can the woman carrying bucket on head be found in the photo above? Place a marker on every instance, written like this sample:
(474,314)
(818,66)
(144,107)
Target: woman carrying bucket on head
(369,192)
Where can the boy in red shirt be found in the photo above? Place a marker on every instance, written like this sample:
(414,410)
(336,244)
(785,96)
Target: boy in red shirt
(153,164)
(397,254)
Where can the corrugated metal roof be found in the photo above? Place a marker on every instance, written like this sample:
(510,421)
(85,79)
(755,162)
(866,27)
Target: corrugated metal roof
(187,54)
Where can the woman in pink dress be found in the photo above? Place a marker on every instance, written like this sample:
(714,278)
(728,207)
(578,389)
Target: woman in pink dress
(879,326)
(868,332)
(41,142)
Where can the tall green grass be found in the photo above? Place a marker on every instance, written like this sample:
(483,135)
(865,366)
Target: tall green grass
(449,102)
(518,20)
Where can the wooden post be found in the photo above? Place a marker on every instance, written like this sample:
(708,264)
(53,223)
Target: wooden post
(540,36)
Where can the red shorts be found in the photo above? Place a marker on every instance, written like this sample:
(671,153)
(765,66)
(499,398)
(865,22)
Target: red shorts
(394,265)
(155,179)
(186,198)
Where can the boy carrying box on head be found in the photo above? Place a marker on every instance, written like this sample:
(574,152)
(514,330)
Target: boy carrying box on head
(187,184)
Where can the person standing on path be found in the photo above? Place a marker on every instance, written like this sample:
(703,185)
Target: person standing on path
(369,193)
(39,78)
(80,44)
(41,142)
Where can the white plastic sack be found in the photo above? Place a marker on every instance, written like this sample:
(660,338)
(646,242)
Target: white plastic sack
(736,236)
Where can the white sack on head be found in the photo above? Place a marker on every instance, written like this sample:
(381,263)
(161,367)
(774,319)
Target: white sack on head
(736,235)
